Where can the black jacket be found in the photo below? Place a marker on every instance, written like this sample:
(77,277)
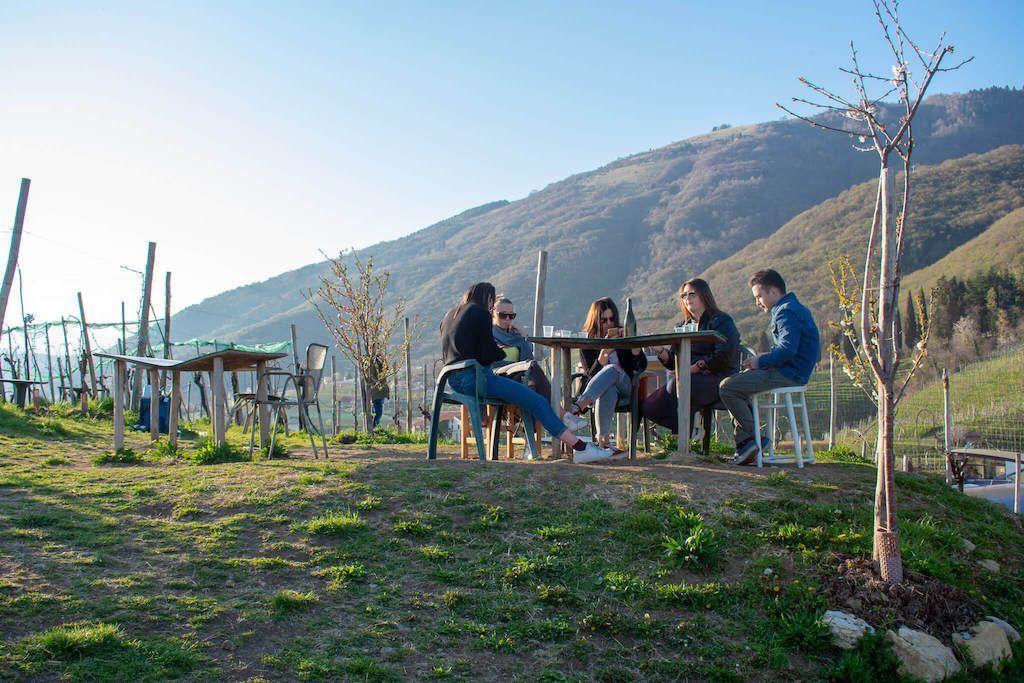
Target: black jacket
(466,333)
(723,358)
(632,364)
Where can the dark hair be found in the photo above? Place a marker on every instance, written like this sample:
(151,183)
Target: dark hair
(768,278)
(703,290)
(592,326)
(482,293)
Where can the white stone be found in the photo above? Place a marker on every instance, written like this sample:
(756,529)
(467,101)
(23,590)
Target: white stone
(990,565)
(987,643)
(968,546)
(846,629)
(1011,632)
(922,655)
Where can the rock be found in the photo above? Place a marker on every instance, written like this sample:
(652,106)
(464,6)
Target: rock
(986,642)
(922,655)
(968,546)
(990,565)
(1011,633)
(846,628)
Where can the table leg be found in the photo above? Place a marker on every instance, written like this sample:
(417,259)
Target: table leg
(172,417)
(154,405)
(556,396)
(464,431)
(262,391)
(566,354)
(120,368)
(217,392)
(683,395)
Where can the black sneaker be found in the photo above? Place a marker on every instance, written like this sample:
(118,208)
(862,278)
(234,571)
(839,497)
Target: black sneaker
(746,453)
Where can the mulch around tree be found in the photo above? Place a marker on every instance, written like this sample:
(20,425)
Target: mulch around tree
(919,602)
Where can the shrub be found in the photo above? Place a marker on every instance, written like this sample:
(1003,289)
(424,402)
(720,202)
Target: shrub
(163,448)
(122,456)
(210,453)
(333,524)
(698,548)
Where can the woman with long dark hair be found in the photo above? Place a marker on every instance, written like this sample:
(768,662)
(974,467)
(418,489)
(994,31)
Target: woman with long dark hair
(710,363)
(466,333)
(609,371)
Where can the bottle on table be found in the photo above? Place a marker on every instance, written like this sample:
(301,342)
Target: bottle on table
(629,320)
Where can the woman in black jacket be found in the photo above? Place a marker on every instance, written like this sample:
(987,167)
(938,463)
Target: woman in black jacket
(711,363)
(466,333)
(609,371)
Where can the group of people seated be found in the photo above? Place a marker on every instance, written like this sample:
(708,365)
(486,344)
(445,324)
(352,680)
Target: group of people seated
(483,327)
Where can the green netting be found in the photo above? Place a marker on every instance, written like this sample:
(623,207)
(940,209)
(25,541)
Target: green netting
(220,344)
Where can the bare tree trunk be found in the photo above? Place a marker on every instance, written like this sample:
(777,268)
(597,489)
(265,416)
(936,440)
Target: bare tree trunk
(887,557)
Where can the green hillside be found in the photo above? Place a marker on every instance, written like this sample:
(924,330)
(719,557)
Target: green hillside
(637,226)
(951,204)
(1000,247)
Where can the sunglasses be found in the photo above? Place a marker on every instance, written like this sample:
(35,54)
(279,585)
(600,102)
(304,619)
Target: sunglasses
(507,316)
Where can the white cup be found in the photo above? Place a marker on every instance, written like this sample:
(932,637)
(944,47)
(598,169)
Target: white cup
(549,330)
(565,333)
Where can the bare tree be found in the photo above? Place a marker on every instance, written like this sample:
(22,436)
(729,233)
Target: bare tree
(863,118)
(351,304)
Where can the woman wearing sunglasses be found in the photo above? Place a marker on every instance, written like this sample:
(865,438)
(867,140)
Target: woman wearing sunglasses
(519,361)
(466,333)
(609,371)
(710,363)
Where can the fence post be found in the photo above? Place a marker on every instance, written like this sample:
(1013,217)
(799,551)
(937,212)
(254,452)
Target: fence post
(408,381)
(1016,485)
(947,417)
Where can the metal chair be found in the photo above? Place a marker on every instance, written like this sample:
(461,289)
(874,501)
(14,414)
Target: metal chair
(305,387)
(474,402)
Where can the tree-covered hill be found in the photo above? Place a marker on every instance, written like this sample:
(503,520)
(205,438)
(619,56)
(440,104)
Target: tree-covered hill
(637,226)
(951,204)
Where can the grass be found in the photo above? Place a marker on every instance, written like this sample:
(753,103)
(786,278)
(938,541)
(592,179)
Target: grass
(379,565)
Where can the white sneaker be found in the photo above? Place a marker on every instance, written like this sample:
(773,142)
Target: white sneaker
(575,422)
(591,453)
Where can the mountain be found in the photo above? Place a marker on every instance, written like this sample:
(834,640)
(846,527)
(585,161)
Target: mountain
(950,204)
(635,227)
(1000,247)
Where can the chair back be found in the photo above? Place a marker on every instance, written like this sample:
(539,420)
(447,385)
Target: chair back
(312,374)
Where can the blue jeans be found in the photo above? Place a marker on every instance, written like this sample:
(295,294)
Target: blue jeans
(510,391)
(378,411)
(605,389)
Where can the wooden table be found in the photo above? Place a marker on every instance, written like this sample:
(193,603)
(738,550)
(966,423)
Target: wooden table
(216,363)
(20,389)
(562,366)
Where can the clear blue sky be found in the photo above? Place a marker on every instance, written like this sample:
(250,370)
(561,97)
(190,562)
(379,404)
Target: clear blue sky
(244,137)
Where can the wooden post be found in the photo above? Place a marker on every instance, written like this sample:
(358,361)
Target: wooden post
(832,402)
(121,368)
(167,326)
(297,369)
(49,364)
(538,298)
(355,400)
(217,409)
(261,400)
(60,376)
(172,415)
(12,254)
(67,353)
(84,395)
(408,381)
(147,295)
(87,346)
(154,404)
(947,421)
(334,395)
(1016,484)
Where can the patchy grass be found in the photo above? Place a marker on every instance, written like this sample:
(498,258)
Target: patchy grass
(378,565)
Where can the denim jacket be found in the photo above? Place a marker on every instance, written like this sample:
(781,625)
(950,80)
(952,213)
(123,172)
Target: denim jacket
(796,347)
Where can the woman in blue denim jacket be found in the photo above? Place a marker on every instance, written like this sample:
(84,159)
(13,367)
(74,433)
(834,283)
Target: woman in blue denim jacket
(466,334)
(711,363)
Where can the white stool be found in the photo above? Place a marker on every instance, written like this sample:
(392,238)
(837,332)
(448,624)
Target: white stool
(783,397)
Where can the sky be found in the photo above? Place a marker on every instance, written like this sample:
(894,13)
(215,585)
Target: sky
(244,138)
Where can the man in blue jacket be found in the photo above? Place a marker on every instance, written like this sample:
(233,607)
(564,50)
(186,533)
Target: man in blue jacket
(789,362)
